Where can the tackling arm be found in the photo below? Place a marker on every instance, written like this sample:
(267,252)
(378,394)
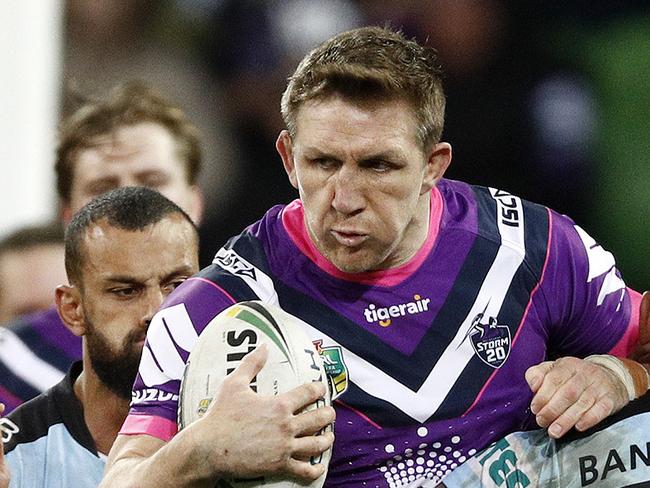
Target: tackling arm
(571,392)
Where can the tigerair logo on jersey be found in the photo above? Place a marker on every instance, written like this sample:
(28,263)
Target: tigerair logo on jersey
(335,368)
(490,340)
(384,315)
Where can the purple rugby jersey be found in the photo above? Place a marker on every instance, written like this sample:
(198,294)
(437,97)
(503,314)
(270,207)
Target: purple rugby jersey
(428,359)
(36,350)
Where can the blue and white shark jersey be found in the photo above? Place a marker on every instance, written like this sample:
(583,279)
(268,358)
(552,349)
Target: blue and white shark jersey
(614,454)
(428,358)
(47,443)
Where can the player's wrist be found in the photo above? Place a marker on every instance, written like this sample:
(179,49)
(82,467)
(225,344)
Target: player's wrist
(632,375)
(201,464)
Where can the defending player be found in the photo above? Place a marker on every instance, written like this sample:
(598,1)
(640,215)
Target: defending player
(430,300)
(125,252)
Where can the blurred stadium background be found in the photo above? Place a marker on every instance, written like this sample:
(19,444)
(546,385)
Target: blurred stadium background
(546,99)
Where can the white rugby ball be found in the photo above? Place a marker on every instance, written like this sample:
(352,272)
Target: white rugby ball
(235,332)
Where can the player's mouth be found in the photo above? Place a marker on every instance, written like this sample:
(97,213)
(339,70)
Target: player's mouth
(349,238)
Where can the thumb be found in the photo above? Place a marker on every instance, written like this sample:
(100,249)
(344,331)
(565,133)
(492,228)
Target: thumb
(535,374)
(252,364)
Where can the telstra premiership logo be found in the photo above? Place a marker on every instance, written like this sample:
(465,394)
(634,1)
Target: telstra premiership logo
(384,315)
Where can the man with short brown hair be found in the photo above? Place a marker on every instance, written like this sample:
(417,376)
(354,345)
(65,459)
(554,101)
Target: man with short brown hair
(132,137)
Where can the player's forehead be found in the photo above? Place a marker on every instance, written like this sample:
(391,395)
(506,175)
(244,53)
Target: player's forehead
(381,125)
(142,254)
(129,149)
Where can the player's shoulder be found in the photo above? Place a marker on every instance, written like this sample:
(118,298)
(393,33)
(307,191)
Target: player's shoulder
(35,418)
(55,409)
(28,423)
(496,218)
(240,269)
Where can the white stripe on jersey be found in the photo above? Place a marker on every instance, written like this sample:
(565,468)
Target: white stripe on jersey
(611,284)
(600,262)
(161,347)
(26,365)
(493,291)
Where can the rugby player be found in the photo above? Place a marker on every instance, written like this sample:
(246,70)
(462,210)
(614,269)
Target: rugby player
(441,307)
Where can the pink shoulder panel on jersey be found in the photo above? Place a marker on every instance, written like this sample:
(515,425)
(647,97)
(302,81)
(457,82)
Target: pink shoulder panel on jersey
(157,427)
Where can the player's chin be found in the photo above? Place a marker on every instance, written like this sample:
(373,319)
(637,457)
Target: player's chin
(353,260)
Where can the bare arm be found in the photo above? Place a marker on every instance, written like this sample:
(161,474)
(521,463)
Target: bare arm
(571,392)
(242,434)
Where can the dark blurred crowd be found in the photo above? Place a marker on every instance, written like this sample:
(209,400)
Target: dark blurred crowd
(544,99)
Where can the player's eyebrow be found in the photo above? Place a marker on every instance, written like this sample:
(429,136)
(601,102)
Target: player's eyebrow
(184,270)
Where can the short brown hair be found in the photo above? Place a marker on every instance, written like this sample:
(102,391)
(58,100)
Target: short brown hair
(371,63)
(127,104)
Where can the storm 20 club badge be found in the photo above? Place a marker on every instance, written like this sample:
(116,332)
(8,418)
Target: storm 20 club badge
(491,341)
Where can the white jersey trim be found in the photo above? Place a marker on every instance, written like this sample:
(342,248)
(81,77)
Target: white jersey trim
(26,365)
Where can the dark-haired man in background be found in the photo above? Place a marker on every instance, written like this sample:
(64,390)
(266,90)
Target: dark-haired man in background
(125,252)
(132,137)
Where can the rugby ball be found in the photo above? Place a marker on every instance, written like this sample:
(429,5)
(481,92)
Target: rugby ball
(235,332)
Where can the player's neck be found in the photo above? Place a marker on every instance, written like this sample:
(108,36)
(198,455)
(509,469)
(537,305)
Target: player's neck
(104,410)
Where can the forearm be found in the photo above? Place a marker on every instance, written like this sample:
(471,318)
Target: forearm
(150,462)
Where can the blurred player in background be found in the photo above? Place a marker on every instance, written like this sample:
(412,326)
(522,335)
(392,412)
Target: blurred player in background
(131,137)
(31,266)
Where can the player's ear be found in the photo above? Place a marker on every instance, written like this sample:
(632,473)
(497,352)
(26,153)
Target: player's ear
(284,146)
(70,308)
(437,164)
(65,212)
(196,204)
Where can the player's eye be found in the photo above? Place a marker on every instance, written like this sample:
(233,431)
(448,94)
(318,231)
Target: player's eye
(172,285)
(124,291)
(154,180)
(379,165)
(323,163)
(101,186)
